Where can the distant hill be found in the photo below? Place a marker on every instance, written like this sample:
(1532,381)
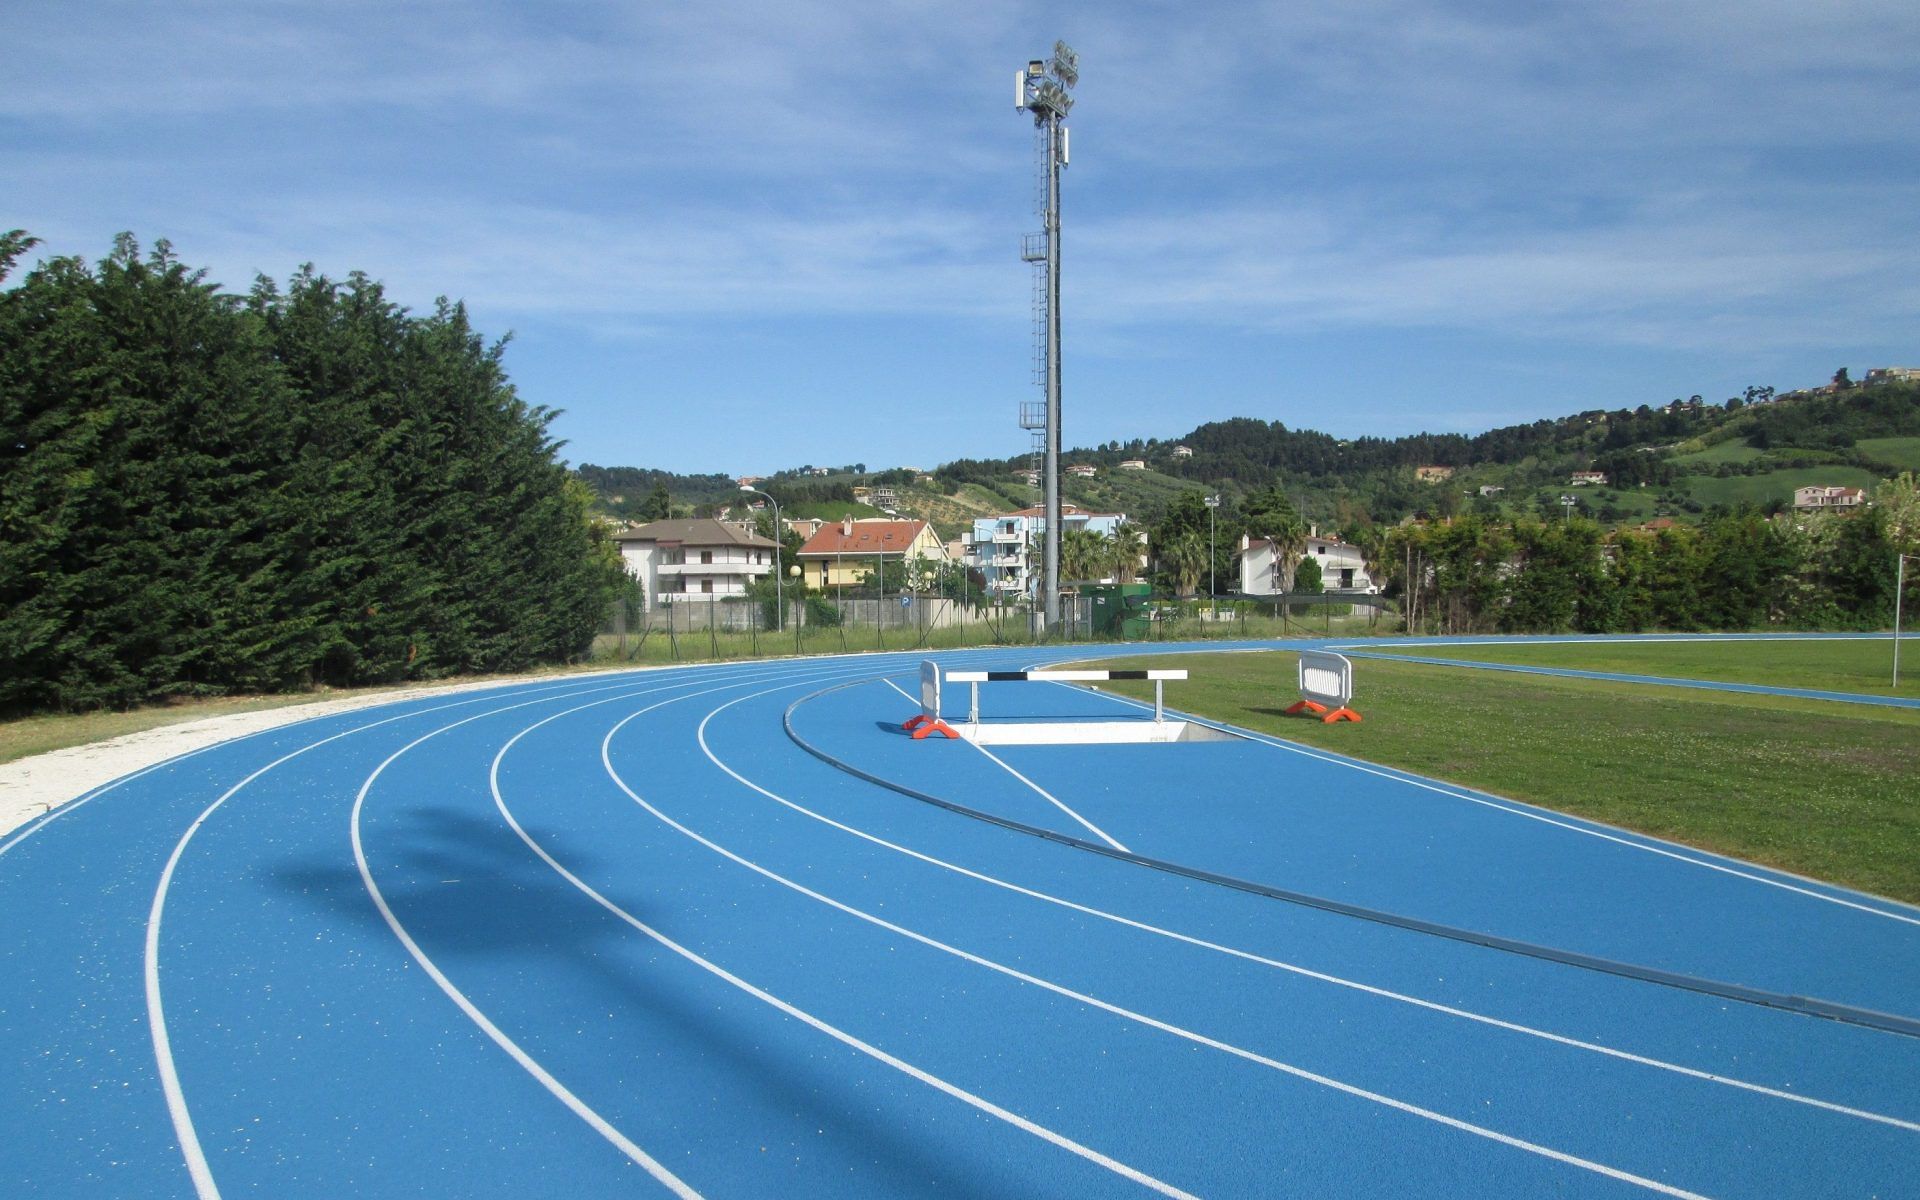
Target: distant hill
(1676,460)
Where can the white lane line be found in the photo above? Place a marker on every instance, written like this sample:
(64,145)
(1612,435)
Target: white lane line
(1443,789)
(1308,972)
(1044,793)
(1115,1009)
(844,1038)
(170,1086)
(554,1087)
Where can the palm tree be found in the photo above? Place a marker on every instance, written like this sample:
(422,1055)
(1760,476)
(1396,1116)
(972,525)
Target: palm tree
(1184,558)
(1123,553)
(1082,555)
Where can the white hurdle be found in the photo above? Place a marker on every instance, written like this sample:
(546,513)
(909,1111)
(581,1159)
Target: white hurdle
(975,678)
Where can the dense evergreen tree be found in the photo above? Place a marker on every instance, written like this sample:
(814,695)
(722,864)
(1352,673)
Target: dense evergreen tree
(203,493)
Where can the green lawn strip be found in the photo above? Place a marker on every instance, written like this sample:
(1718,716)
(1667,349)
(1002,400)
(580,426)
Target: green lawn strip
(58,731)
(1775,485)
(1900,451)
(1827,790)
(1831,665)
(1731,450)
(26,736)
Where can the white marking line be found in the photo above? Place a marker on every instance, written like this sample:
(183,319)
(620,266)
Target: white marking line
(558,1090)
(183,1127)
(1308,972)
(1444,790)
(806,1018)
(156,1016)
(1044,793)
(1105,1006)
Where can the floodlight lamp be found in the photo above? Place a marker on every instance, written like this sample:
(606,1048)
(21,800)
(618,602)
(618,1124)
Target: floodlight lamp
(1036,68)
(1051,97)
(1066,64)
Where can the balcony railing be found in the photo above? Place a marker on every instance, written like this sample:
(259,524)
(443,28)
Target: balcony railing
(718,568)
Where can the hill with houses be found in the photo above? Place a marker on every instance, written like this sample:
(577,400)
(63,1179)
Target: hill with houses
(1620,467)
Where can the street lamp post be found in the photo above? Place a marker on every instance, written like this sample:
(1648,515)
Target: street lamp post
(1213,584)
(779,591)
(1899,589)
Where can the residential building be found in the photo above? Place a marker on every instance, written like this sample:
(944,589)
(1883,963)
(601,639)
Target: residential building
(1183,451)
(1879,375)
(1030,478)
(884,498)
(1583,478)
(1008,550)
(1828,499)
(1083,471)
(1133,464)
(749,480)
(1342,567)
(842,555)
(1433,474)
(681,560)
(806,527)
(1491,489)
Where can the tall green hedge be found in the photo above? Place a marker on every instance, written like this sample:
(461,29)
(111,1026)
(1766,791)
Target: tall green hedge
(203,492)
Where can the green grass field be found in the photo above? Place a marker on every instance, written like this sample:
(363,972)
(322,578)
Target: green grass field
(1776,485)
(1733,450)
(1900,451)
(1831,665)
(1825,790)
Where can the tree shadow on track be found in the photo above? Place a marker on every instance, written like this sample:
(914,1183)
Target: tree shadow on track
(602,1006)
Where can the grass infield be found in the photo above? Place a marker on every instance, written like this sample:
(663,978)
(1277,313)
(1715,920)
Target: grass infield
(1831,665)
(1826,790)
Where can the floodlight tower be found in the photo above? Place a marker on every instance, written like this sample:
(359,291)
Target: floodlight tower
(1041,88)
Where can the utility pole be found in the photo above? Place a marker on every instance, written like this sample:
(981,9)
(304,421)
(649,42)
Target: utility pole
(1041,88)
(1213,585)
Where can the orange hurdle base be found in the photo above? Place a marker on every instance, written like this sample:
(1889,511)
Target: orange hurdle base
(922,726)
(1317,709)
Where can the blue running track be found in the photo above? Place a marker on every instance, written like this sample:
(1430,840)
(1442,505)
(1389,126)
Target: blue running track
(700,932)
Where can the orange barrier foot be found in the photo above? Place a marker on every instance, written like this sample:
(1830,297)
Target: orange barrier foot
(932,725)
(1306,706)
(1341,714)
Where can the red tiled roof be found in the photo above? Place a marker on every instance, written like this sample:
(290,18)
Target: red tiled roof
(867,537)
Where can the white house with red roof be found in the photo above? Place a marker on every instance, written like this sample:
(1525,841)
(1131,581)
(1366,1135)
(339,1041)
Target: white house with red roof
(1342,567)
(1829,498)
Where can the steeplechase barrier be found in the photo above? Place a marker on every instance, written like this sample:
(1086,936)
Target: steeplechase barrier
(934,719)
(1326,686)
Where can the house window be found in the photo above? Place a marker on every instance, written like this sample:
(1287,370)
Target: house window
(706,585)
(706,556)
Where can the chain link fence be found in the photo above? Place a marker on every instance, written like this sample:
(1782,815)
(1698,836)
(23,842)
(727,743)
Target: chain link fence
(733,627)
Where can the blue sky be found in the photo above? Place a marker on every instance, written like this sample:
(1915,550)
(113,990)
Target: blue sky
(738,237)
